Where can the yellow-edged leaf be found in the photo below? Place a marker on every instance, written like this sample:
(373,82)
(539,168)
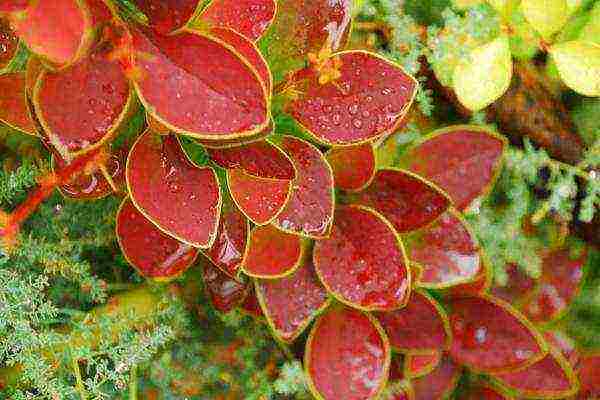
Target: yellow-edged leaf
(485,75)
(578,64)
(546,16)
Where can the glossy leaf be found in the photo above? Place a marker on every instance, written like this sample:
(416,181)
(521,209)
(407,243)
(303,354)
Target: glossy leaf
(195,85)
(407,201)
(181,198)
(13,103)
(230,143)
(225,292)
(439,383)
(561,342)
(490,336)
(166,16)
(550,378)
(363,263)
(228,250)
(546,16)
(260,159)
(353,166)
(58,31)
(309,210)
(578,64)
(292,302)
(272,253)
(418,365)
(485,75)
(13,5)
(479,285)
(82,106)
(588,372)
(9,43)
(251,306)
(347,356)
(463,160)
(260,199)
(420,326)
(248,17)
(370,98)
(153,253)
(302,27)
(446,252)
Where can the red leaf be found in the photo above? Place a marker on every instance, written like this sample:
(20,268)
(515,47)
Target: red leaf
(309,211)
(462,160)
(406,200)
(259,159)
(446,252)
(228,144)
(181,198)
(13,103)
(363,263)
(153,253)
(272,253)
(225,292)
(292,302)
(369,99)
(347,356)
(250,18)
(251,306)
(420,326)
(588,372)
(485,392)
(439,383)
(517,286)
(9,42)
(81,107)
(353,166)
(563,343)
(227,252)
(490,336)
(195,85)
(166,16)
(13,5)
(260,199)
(479,285)
(418,365)
(249,51)
(59,31)
(551,377)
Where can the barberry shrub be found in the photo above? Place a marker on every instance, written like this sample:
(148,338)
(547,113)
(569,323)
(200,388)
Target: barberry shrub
(260,160)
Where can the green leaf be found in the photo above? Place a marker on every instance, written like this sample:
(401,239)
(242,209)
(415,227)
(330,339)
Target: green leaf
(546,16)
(591,30)
(485,75)
(578,64)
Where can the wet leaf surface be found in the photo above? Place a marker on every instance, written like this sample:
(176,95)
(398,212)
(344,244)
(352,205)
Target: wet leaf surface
(225,292)
(272,253)
(353,166)
(250,18)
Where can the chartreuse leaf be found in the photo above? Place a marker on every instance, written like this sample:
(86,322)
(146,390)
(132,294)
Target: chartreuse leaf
(484,75)
(363,263)
(347,356)
(500,5)
(153,253)
(591,30)
(292,302)
(546,16)
(578,64)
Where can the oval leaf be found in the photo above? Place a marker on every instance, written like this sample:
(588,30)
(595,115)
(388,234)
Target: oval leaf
(363,263)
(347,356)
(309,211)
(250,18)
(420,326)
(485,392)
(406,200)
(230,143)
(490,336)
(353,166)
(82,106)
(13,103)
(260,199)
(370,98)
(484,75)
(166,16)
(153,253)
(546,16)
(578,64)
(225,292)
(259,159)
(439,383)
(272,253)
(197,86)
(418,365)
(181,198)
(292,302)
(229,248)
(463,160)
(446,252)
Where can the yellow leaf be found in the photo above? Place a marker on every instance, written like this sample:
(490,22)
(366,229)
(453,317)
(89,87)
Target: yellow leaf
(485,75)
(578,64)
(499,5)
(546,16)
(591,30)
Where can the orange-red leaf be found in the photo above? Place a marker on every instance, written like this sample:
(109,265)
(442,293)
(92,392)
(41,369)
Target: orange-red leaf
(353,166)
(588,372)
(250,18)
(13,103)
(439,383)
(272,253)
(167,15)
